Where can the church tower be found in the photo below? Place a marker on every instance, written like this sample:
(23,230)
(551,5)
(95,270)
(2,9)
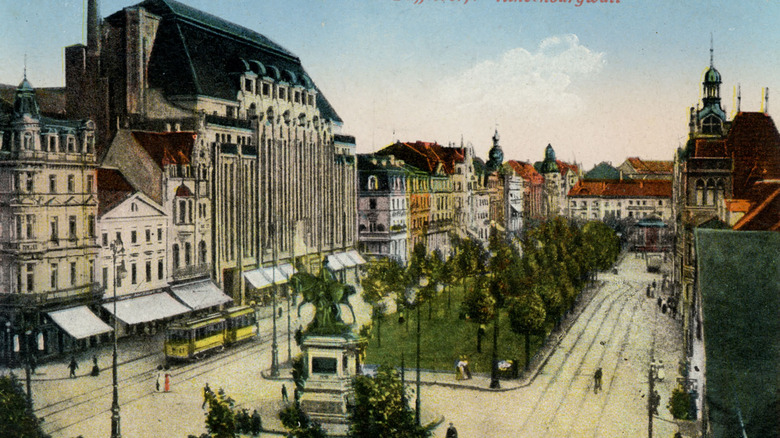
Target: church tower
(495,156)
(711,117)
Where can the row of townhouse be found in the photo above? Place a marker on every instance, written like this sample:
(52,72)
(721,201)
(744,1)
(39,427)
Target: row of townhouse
(422,192)
(203,159)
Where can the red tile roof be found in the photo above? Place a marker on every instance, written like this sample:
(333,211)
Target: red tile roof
(564,166)
(764,211)
(526,171)
(651,166)
(753,144)
(167,147)
(112,188)
(624,188)
(426,156)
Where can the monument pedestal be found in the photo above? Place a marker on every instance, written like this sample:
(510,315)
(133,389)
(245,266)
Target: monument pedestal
(331,362)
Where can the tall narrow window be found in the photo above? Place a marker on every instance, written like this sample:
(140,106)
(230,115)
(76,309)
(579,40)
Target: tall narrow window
(30,277)
(72,227)
(73,273)
(52,183)
(175,254)
(55,232)
(54,275)
(160,269)
(90,184)
(187,254)
(133,274)
(148,271)
(105,277)
(71,183)
(91,225)
(30,226)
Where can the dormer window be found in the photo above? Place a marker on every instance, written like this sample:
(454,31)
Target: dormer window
(71,144)
(266,89)
(297,97)
(248,85)
(711,125)
(282,93)
(27,143)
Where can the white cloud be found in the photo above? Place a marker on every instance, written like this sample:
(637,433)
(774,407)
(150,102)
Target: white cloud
(521,80)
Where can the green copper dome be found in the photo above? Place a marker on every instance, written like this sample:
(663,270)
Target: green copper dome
(548,165)
(712,76)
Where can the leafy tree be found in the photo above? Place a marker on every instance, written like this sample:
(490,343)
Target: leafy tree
(383,278)
(380,409)
(447,276)
(220,418)
(471,260)
(526,317)
(299,424)
(479,306)
(16,420)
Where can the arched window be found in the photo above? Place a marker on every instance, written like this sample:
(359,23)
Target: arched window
(721,190)
(711,125)
(175,254)
(28,143)
(372,183)
(700,192)
(187,254)
(709,193)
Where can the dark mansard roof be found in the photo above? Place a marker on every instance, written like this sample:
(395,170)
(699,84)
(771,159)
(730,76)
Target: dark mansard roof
(196,53)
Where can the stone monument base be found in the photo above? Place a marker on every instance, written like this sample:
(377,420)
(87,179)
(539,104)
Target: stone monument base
(331,362)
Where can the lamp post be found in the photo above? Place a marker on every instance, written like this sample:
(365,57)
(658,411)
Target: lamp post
(423,283)
(9,347)
(119,271)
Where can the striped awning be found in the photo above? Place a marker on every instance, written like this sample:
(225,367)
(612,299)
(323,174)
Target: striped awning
(147,308)
(264,277)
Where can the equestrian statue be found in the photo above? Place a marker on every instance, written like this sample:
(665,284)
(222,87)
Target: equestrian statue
(327,295)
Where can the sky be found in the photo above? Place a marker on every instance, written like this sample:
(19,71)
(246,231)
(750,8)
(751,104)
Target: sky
(597,81)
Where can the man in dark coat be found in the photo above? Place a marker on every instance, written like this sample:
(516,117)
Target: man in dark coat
(73,366)
(452,432)
(597,381)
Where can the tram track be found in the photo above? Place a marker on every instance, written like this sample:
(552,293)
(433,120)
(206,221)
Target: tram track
(612,298)
(132,386)
(623,344)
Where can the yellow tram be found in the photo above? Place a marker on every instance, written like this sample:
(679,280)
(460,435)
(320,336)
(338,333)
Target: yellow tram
(194,338)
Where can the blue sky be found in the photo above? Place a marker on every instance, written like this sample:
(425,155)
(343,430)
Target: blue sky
(600,82)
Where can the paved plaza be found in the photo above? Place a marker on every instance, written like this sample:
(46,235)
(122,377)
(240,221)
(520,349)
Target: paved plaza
(617,329)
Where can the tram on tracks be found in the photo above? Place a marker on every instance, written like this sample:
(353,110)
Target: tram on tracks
(194,338)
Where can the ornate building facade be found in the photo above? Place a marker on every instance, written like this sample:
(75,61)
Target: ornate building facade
(267,161)
(48,231)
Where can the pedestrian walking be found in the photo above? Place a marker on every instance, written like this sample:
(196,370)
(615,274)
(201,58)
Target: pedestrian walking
(167,382)
(33,363)
(207,395)
(597,381)
(95,369)
(73,367)
(452,432)
(158,381)
(284,394)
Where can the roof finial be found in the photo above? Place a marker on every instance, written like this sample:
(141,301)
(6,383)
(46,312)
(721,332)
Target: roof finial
(25,66)
(712,50)
(739,97)
(766,101)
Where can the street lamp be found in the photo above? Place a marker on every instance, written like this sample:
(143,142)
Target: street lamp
(9,347)
(423,283)
(119,272)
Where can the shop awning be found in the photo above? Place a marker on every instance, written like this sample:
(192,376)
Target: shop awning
(356,257)
(334,263)
(343,260)
(79,322)
(147,308)
(264,277)
(200,294)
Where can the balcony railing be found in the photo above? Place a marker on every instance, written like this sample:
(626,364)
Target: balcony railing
(227,121)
